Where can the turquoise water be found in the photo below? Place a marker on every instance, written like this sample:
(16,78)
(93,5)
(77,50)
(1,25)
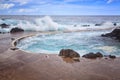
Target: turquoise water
(82,42)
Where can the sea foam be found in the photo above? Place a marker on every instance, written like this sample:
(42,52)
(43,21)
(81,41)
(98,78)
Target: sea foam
(47,24)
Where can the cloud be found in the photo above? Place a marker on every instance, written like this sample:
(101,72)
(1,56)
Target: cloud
(110,1)
(22,2)
(6,6)
(26,10)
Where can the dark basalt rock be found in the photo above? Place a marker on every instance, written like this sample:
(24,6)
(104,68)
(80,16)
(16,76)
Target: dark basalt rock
(4,25)
(115,33)
(86,25)
(98,54)
(14,30)
(92,55)
(98,24)
(14,48)
(112,56)
(68,53)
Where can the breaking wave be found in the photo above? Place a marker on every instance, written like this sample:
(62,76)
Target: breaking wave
(47,24)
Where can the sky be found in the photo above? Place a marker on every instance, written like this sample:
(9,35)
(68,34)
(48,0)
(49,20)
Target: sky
(59,7)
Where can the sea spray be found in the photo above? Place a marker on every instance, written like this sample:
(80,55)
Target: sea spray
(48,24)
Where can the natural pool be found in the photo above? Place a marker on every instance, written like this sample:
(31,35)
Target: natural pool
(82,42)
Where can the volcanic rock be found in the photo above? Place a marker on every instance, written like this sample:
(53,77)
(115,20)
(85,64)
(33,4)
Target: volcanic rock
(92,55)
(14,30)
(112,56)
(68,53)
(4,25)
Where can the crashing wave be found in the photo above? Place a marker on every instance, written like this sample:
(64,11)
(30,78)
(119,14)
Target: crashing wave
(47,24)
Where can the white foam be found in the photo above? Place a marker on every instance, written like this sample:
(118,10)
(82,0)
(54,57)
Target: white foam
(47,24)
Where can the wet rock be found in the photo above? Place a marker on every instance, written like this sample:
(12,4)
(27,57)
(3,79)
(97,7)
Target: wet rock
(92,55)
(112,56)
(115,24)
(14,48)
(4,25)
(98,24)
(14,30)
(86,25)
(115,33)
(98,54)
(68,53)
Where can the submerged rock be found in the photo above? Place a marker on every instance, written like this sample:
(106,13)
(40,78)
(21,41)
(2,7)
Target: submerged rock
(92,55)
(4,25)
(68,53)
(98,24)
(14,30)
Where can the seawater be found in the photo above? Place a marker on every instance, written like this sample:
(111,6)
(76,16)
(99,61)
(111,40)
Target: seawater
(87,40)
(58,23)
(82,42)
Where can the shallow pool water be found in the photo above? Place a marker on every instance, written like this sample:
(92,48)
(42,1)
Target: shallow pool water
(82,42)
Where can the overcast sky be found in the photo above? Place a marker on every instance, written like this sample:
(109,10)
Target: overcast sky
(59,7)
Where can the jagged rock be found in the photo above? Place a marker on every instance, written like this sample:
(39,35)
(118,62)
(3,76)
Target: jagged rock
(68,53)
(14,30)
(115,33)
(112,56)
(92,55)
(4,25)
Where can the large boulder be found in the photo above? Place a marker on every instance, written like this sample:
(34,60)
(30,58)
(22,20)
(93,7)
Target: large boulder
(92,55)
(4,25)
(68,53)
(115,33)
(14,30)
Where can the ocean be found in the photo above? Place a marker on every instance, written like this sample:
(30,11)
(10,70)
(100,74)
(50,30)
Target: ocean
(83,33)
(57,23)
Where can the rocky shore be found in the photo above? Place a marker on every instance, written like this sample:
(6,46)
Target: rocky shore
(19,65)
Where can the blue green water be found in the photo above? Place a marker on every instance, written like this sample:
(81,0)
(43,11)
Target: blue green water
(82,42)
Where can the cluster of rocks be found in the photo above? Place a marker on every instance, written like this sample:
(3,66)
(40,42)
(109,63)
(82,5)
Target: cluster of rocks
(114,34)
(13,30)
(73,54)
(92,55)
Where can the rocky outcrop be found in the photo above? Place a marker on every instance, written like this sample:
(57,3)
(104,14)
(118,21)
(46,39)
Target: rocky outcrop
(4,25)
(92,55)
(14,30)
(115,33)
(68,53)
(112,56)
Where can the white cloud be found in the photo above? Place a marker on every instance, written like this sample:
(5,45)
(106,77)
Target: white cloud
(6,6)
(27,10)
(109,1)
(22,2)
